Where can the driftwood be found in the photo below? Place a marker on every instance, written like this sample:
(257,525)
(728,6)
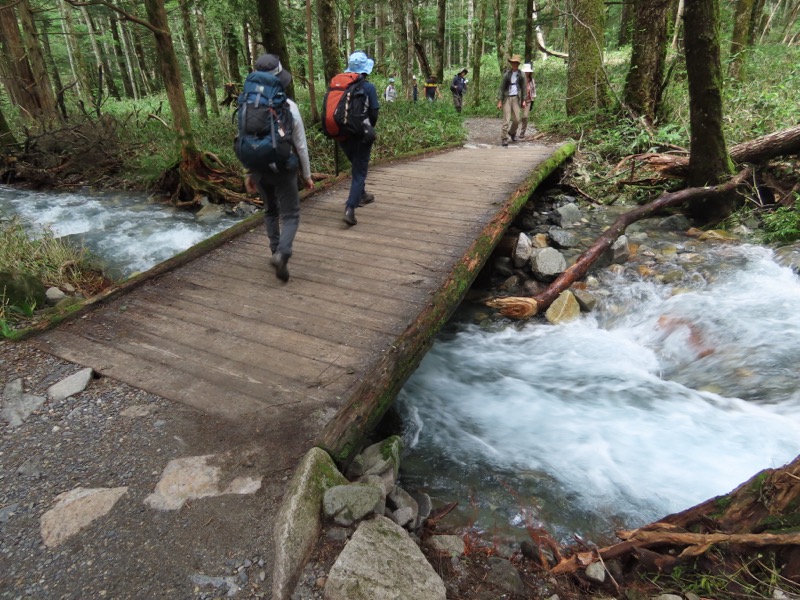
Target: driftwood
(524,307)
(760,513)
(759,150)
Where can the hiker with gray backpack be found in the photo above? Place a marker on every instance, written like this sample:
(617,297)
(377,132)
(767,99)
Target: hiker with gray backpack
(271,145)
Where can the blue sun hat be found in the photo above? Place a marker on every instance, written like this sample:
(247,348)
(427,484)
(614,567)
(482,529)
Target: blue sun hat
(359,63)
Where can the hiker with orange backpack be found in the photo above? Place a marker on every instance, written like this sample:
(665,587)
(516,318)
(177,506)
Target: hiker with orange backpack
(350,112)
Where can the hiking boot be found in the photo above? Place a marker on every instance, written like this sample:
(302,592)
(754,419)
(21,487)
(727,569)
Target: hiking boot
(366,198)
(350,215)
(521,136)
(278,262)
(513,138)
(504,144)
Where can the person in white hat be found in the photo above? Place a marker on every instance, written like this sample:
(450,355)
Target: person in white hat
(509,98)
(390,93)
(527,99)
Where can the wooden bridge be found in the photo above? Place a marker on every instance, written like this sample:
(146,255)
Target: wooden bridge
(317,360)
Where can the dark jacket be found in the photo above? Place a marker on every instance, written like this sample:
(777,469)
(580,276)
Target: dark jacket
(459,85)
(505,83)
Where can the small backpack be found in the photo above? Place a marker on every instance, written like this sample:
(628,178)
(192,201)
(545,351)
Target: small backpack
(344,107)
(264,139)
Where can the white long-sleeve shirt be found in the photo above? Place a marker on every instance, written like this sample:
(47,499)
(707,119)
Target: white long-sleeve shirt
(299,139)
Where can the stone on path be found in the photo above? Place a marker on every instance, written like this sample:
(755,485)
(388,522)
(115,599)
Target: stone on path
(192,477)
(75,510)
(74,384)
(381,561)
(17,405)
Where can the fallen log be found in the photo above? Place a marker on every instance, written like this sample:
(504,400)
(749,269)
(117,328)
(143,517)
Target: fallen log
(523,307)
(740,518)
(779,143)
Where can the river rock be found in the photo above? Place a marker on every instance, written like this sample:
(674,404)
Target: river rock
(561,238)
(595,573)
(547,263)
(568,214)
(381,561)
(504,266)
(54,295)
(564,309)
(789,256)
(505,576)
(383,456)
(586,300)
(451,545)
(522,251)
(346,504)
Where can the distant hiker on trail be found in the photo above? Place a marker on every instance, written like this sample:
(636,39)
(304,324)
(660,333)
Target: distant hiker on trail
(274,178)
(458,87)
(432,89)
(414,87)
(390,93)
(356,140)
(509,98)
(527,98)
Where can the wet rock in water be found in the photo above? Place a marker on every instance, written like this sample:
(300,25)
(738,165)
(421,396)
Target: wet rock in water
(568,214)
(586,300)
(383,456)
(561,238)
(564,309)
(673,223)
(789,256)
(503,266)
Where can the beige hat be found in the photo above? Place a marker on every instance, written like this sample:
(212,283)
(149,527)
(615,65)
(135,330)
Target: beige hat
(515,58)
(526,68)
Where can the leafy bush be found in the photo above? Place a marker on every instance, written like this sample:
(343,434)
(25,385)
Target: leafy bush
(783,225)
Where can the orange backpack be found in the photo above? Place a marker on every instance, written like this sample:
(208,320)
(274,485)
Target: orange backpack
(344,107)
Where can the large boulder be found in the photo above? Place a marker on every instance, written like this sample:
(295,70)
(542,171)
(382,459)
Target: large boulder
(299,519)
(381,561)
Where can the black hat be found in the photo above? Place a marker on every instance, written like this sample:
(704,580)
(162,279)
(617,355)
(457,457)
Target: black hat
(270,63)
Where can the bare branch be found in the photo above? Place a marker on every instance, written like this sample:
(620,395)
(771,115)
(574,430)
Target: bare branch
(128,16)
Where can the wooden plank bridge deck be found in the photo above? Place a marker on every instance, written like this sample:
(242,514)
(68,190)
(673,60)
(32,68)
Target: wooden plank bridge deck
(315,359)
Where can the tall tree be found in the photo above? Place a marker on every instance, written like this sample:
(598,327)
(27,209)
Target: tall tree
(312,97)
(209,76)
(626,21)
(122,61)
(8,143)
(529,31)
(478,31)
(232,54)
(508,45)
(648,56)
(186,7)
(441,13)
(586,85)
(498,31)
(77,64)
(269,15)
(26,78)
(740,37)
(329,45)
(709,161)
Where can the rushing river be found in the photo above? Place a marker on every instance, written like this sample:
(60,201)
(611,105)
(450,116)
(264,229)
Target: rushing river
(657,401)
(125,231)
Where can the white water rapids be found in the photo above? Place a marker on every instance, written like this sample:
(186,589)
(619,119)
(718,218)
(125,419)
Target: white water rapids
(653,404)
(124,231)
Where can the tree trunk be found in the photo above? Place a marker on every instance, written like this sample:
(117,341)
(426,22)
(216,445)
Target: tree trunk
(208,64)
(312,96)
(586,85)
(479,25)
(678,24)
(76,55)
(498,40)
(120,56)
(56,76)
(269,14)
(709,162)
(648,56)
(380,45)
(170,73)
(351,25)
(441,13)
(8,143)
(530,44)
(326,25)
(186,7)
(97,71)
(740,37)
(511,12)
(117,28)
(32,94)
(756,23)
(111,75)
(232,51)
(416,42)
(43,89)
(627,19)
